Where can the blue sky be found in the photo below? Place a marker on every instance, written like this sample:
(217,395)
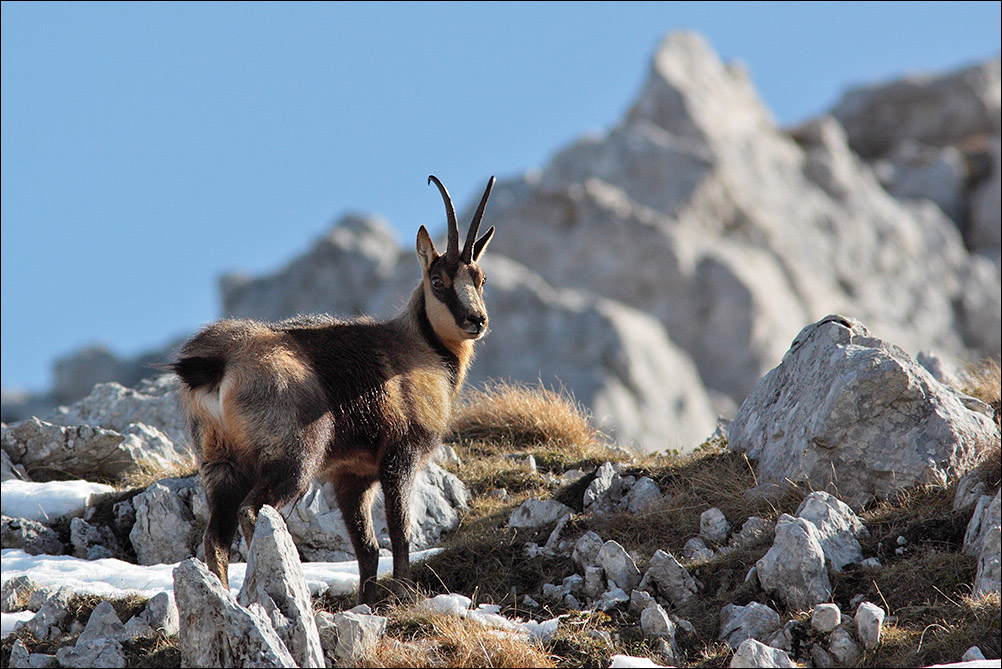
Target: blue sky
(147,148)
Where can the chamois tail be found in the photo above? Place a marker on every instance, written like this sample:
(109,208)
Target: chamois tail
(200,371)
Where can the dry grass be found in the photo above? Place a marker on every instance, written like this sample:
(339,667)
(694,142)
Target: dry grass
(506,413)
(420,639)
(984,381)
(149,473)
(934,634)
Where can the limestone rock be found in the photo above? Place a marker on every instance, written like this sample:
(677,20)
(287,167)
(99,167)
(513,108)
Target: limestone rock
(337,275)
(534,513)
(618,565)
(274,580)
(15,594)
(713,526)
(594,583)
(165,530)
(216,631)
(91,542)
(30,536)
(9,470)
(643,496)
(113,406)
(843,648)
(844,406)
(752,653)
(48,623)
(668,579)
(837,527)
(989,574)
(752,531)
(695,549)
(754,621)
(935,110)
(869,618)
(825,618)
(794,567)
(586,549)
(987,513)
(99,652)
(357,633)
(316,525)
(87,451)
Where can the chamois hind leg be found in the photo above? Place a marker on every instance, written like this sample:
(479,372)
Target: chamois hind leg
(396,475)
(354,498)
(225,489)
(279,481)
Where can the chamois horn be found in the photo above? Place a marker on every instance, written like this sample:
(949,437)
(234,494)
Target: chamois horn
(452,252)
(471,236)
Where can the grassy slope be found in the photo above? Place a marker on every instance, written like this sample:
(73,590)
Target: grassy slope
(926,591)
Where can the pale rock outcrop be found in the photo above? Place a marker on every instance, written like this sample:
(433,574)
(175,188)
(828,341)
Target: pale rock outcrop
(754,621)
(216,631)
(825,618)
(30,536)
(274,581)
(534,513)
(153,402)
(983,540)
(87,451)
(752,653)
(357,633)
(752,531)
(337,275)
(93,542)
(50,619)
(586,549)
(848,409)
(843,648)
(935,110)
(983,224)
(837,527)
(8,470)
(695,549)
(165,530)
(619,566)
(713,526)
(668,580)
(614,359)
(316,525)
(99,652)
(869,620)
(794,567)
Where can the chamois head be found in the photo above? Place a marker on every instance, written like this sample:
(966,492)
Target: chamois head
(453,283)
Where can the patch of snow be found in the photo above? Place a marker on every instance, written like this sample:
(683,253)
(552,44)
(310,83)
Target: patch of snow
(628,662)
(44,501)
(9,620)
(489,615)
(973,664)
(116,578)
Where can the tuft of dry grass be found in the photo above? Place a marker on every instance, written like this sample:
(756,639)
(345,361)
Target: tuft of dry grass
(983,381)
(940,633)
(150,473)
(417,638)
(518,414)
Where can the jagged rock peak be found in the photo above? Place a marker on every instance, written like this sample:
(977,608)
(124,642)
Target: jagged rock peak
(690,92)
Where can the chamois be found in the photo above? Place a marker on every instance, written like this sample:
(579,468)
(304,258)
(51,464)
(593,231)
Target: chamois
(275,405)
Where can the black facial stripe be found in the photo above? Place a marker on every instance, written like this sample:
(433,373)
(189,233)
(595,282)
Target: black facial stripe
(428,332)
(447,294)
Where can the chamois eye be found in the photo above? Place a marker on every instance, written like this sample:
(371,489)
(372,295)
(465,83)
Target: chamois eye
(483,280)
(437,283)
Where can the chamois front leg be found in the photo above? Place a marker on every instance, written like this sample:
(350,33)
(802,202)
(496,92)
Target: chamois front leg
(397,478)
(354,498)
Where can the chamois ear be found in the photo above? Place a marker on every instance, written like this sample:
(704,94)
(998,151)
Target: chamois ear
(426,251)
(482,243)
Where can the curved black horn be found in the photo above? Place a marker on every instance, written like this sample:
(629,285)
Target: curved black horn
(471,236)
(452,252)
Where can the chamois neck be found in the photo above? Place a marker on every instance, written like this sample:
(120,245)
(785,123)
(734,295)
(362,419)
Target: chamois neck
(456,355)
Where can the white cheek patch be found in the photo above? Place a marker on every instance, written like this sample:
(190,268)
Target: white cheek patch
(467,293)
